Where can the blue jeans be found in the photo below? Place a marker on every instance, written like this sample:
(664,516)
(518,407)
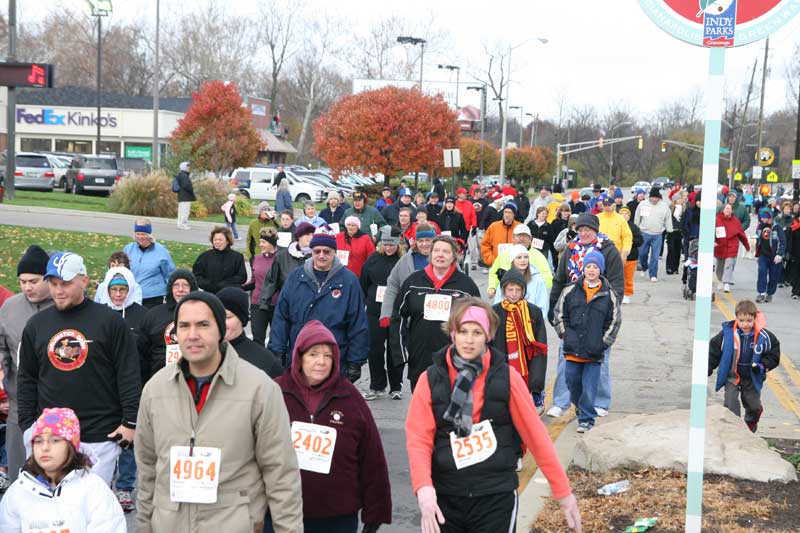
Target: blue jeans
(650,249)
(582,380)
(603,398)
(560,390)
(233,229)
(768,275)
(126,470)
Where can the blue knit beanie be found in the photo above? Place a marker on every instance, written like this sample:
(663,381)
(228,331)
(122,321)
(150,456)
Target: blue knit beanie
(595,258)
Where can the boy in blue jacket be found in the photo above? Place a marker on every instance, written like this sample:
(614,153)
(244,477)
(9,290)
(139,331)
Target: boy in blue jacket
(743,352)
(587,318)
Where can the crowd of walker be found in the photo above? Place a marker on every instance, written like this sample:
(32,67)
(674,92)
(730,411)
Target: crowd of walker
(154,388)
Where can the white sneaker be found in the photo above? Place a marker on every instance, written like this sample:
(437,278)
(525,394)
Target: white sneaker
(485,270)
(654,279)
(600,411)
(726,287)
(626,299)
(374,395)
(555,412)
(642,273)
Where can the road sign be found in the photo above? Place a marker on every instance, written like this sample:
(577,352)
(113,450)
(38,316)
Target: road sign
(141,152)
(737,176)
(452,158)
(772,177)
(720,23)
(757,173)
(765,156)
(796,169)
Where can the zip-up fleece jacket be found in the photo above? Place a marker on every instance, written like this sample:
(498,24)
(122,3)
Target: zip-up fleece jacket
(13,316)
(587,328)
(723,353)
(244,416)
(728,246)
(422,424)
(81,503)
(410,335)
(359,476)
(496,234)
(151,267)
(83,358)
(400,272)
(338,303)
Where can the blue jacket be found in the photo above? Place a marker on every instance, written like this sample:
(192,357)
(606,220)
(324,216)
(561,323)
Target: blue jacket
(338,303)
(151,268)
(777,238)
(283,201)
(587,328)
(536,293)
(723,356)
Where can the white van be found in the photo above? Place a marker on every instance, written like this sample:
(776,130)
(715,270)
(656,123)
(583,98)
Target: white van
(257,183)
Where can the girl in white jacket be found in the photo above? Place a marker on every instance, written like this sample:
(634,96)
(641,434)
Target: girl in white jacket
(55,490)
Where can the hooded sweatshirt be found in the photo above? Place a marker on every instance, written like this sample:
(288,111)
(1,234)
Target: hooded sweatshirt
(131,309)
(359,476)
(157,329)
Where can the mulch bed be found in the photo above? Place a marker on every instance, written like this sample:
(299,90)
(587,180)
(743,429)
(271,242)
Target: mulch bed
(729,505)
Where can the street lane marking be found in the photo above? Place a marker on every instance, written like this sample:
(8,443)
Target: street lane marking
(776,383)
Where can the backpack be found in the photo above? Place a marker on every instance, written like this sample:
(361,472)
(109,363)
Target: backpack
(176,187)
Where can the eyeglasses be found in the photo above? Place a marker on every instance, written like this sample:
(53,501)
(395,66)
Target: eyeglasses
(322,251)
(178,285)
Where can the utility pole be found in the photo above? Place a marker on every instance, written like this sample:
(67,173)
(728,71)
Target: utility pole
(155,153)
(99,85)
(11,103)
(796,180)
(735,156)
(761,109)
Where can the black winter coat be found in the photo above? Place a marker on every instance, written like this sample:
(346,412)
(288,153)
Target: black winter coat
(257,356)
(546,234)
(282,266)
(332,217)
(638,240)
(523,206)
(453,221)
(215,269)
(186,191)
(374,274)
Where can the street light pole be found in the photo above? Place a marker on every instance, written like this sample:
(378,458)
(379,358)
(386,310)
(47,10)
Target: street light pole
(505,113)
(611,148)
(533,126)
(482,89)
(155,155)
(100,9)
(458,73)
(404,39)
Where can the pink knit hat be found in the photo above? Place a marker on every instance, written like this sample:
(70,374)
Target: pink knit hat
(353,220)
(474,314)
(60,421)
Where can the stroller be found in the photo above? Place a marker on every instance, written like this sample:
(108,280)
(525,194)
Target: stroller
(689,277)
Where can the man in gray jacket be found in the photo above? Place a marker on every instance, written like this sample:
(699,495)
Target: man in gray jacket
(653,218)
(14,314)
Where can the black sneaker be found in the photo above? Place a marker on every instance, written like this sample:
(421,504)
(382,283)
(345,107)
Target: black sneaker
(761,298)
(768,298)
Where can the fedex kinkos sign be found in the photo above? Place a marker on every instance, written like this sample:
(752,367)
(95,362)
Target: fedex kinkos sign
(51,117)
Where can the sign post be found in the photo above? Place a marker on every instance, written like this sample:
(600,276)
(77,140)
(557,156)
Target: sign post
(716,25)
(795,179)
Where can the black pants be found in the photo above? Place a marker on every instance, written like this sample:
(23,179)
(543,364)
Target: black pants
(494,512)
(259,321)
(380,359)
(746,393)
(674,246)
(149,303)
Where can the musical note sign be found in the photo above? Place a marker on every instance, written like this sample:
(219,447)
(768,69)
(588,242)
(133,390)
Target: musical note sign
(26,75)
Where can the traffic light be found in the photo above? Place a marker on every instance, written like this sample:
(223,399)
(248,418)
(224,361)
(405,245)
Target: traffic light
(663,147)
(641,143)
(600,143)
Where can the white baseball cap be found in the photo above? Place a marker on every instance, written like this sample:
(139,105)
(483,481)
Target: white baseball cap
(522,229)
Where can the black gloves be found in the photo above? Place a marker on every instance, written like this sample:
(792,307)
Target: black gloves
(353,371)
(370,528)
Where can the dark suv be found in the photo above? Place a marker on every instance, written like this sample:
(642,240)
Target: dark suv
(92,173)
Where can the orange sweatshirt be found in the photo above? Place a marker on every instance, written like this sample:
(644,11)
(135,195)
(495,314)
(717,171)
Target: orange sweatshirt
(421,428)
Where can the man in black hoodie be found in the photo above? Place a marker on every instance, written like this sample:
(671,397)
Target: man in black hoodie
(157,330)
(80,354)
(237,307)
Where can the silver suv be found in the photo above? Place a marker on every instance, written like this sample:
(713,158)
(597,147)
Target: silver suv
(33,171)
(92,173)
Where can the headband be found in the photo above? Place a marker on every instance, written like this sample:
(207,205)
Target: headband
(143,229)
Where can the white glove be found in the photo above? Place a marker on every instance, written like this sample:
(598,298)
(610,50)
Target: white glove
(777,259)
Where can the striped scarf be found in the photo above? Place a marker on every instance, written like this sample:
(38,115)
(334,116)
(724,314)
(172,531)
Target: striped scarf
(579,251)
(520,342)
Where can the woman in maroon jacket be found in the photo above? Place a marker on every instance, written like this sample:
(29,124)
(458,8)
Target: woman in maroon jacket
(728,233)
(338,447)
(353,246)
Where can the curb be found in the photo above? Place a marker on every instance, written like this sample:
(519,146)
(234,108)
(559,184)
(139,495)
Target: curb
(93,214)
(533,498)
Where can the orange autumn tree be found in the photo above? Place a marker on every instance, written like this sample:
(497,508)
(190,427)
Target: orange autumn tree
(388,131)
(471,157)
(217,133)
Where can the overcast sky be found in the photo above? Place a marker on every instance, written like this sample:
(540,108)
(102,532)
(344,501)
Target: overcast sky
(599,52)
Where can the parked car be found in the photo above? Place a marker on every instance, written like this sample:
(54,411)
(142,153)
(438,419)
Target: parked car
(258,183)
(663,182)
(33,171)
(60,166)
(643,185)
(326,180)
(91,173)
(590,191)
(133,166)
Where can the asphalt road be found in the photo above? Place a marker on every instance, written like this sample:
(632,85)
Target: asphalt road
(650,362)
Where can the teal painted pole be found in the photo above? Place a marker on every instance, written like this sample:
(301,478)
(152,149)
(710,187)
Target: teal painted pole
(702,311)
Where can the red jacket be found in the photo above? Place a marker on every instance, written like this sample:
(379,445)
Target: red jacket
(359,249)
(468,211)
(359,477)
(5,294)
(728,233)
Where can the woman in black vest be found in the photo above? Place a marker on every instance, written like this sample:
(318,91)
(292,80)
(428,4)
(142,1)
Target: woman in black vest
(467,417)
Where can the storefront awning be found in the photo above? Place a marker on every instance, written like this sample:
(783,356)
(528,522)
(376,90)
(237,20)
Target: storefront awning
(270,143)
